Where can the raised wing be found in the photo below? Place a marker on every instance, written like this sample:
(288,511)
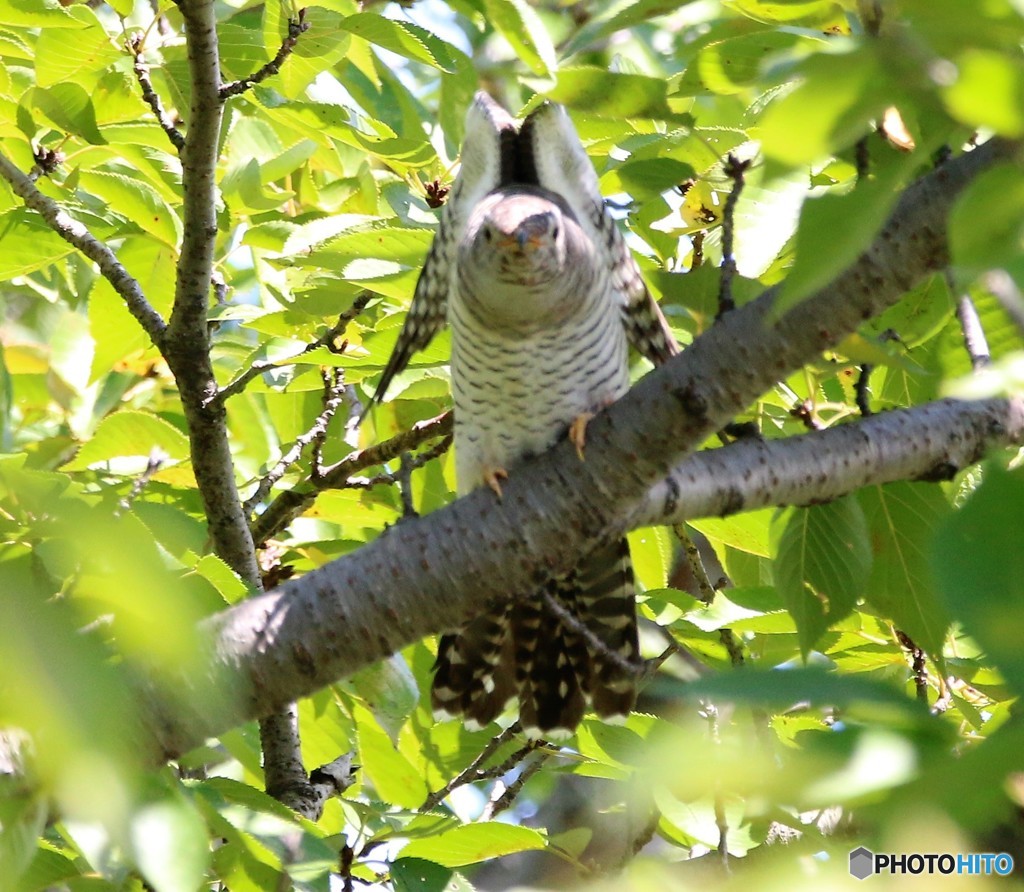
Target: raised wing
(487,156)
(551,148)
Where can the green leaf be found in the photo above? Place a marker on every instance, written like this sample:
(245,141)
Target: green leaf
(170,845)
(419,875)
(834,230)
(831,109)
(784,687)
(403,38)
(609,94)
(393,776)
(986,225)
(978,561)
(37,13)
(79,56)
(69,106)
(988,92)
(22,821)
(735,65)
(29,244)
(517,22)
(619,17)
(137,201)
(130,434)
(473,843)
(806,12)
(748,532)
(902,519)
(822,563)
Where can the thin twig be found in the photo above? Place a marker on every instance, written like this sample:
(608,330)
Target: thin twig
(157,457)
(862,390)
(735,170)
(705,590)
(327,339)
(296,27)
(290,504)
(77,235)
(710,712)
(404,480)
(472,772)
(512,790)
(332,399)
(918,665)
(334,395)
(974,335)
(387,479)
(149,94)
(594,644)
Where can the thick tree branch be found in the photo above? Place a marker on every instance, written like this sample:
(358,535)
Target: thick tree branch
(929,442)
(77,235)
(425,574)
(187,342)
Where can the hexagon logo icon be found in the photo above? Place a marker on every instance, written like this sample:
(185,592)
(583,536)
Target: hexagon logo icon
(862,863)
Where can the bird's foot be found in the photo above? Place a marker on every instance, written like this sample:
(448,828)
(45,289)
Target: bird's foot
(578,431)
(491,477)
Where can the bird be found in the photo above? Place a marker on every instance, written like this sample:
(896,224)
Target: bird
(544,299)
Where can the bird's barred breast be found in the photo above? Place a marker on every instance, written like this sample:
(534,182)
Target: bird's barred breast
(515,395)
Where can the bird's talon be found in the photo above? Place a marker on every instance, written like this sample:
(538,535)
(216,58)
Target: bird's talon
(491,476)
(578,431)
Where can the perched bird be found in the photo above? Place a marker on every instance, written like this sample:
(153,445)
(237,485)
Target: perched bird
(544,299)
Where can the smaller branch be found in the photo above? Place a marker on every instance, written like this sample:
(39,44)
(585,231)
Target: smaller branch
(508,795)
(388,479)
(327,339)
(645,835)
(706,591)
(594,644)
(77,235)
(157,457)
(974,335)
(290,504)
(149,94)
(710,712)
(735,170)
(918,665)
(472,772)
(922,443)
(317,431)
(404,480)
(334,395)
(296,27)
(697,241)
(862,159)
(862,389)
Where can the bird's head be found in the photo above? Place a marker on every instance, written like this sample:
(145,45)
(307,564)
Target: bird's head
(524,254)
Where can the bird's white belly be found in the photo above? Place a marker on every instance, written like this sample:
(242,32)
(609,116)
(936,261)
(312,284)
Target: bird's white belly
(515,397)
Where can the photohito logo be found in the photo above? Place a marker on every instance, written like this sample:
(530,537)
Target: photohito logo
(864,863)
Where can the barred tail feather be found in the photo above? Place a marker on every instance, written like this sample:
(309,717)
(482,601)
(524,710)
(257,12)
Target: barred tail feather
(555,663)
(606,606)
(467,680)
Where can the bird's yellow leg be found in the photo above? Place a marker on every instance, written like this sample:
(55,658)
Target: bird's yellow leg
(491,477)
(578,431)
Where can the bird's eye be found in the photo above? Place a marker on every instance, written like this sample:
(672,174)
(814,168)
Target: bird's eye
(488,234)
(554,231)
